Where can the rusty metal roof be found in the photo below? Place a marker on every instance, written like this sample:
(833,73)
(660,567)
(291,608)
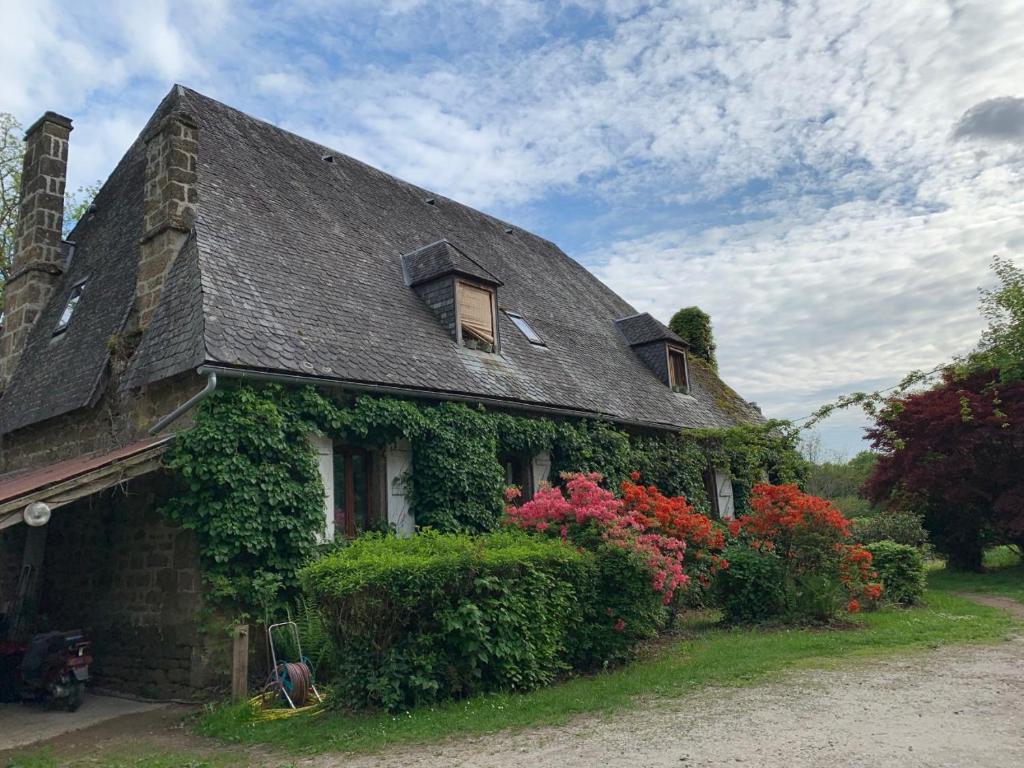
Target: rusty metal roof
(64,481)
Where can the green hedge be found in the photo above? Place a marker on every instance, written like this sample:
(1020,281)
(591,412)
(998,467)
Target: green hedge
(901,570)
(753,588)
(438,616)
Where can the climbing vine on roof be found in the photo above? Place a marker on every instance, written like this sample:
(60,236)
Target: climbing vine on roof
(250,488)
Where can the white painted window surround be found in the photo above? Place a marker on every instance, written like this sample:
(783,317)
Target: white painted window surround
(398,458)
(325,458)
(541,469)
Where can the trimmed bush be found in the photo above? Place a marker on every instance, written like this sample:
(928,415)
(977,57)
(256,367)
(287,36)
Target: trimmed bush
(901,570)
(753,588)
(901,527)
(622,612)
(437,616)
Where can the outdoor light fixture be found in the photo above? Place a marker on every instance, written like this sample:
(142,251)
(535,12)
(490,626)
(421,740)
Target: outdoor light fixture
(36,514)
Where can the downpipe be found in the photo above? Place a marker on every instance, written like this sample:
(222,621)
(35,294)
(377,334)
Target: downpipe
(181,410)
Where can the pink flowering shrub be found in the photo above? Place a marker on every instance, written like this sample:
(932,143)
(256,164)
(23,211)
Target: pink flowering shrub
(640,542)
(584,511)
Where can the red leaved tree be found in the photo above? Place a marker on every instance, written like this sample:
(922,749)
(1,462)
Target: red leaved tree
(956,453)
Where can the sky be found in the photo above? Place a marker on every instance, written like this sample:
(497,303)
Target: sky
(829,180)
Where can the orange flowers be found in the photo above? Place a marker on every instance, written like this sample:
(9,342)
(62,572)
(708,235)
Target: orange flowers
(809,534)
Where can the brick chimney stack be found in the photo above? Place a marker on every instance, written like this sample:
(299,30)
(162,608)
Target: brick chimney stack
(170,206)
(37,261)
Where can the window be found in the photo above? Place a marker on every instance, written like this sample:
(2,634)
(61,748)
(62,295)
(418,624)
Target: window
(476,317)
(677,377)
(519,472)
(526,328)
(357,501)
(69,308)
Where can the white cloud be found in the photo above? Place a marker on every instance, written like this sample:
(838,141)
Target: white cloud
(787,165)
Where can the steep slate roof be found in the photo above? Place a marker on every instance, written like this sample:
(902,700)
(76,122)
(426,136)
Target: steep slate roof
(644,329)
(442,258)
(295,266)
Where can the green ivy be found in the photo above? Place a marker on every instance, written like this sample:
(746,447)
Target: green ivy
(251,490)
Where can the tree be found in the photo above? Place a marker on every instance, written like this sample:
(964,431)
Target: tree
(693,325)
(1002,343)
(12,153)
(955,452)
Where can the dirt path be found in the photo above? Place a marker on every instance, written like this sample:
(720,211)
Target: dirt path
(949,708)
(1014,607)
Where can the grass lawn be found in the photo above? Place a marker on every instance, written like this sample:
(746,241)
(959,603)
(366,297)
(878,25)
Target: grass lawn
(706,655)
(1005,576)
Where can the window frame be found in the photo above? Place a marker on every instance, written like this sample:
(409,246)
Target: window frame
(526,329)
(70,307)
(460,340)
(685,387)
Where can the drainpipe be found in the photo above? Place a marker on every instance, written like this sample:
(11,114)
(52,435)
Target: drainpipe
(211,384)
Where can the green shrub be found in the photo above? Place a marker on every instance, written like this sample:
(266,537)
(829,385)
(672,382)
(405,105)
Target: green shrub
(443,616)
(753,587)
(622,611)
(901,570)
(901,527)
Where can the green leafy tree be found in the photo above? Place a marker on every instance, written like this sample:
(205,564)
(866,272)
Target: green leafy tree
(12,153)
(693,325)
(1002,343)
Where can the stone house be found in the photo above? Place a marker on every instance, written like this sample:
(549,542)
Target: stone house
(223,247)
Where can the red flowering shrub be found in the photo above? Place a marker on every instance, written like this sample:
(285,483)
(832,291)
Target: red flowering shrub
(809,536)
(673,517)
(664,536)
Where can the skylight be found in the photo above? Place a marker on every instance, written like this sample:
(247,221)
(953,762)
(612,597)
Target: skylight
(69,308)
(526,328)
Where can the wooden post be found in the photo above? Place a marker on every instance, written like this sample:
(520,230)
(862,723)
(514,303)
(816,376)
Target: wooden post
(240,664)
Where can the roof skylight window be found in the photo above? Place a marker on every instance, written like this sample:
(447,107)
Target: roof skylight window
(69,308)
(526,328)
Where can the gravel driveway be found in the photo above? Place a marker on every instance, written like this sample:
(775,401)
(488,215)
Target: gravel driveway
(953,707)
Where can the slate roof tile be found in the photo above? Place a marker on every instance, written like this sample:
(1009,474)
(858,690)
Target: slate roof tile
(295,266)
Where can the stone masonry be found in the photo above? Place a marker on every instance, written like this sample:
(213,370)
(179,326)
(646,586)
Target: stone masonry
(171,198)
(37,262)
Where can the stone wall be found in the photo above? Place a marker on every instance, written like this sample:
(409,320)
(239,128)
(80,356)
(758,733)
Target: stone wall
(439,295)
(655,355)
(130,578)
(118,419)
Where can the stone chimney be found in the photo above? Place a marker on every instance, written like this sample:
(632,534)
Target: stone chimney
(170,205)
(37,262)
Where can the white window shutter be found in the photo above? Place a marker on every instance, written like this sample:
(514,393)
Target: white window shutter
(325,458)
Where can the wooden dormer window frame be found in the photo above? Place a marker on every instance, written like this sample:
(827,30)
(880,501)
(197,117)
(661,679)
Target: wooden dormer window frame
(474,334)
(678,369)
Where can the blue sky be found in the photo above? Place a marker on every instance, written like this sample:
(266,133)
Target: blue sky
(828,180)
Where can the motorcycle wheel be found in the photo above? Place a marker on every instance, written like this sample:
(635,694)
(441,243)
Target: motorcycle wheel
(75,696)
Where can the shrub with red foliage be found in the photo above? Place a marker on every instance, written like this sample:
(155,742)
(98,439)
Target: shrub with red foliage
(956,453)
(810,536)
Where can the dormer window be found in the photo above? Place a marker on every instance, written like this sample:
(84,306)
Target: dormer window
(677,371)
(659,348)
(476,315)
(69,309)
(459,290)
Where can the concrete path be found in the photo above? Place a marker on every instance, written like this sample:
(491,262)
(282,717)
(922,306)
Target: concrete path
(22,725)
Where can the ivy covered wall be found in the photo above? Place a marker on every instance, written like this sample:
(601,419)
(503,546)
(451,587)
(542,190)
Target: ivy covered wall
(250,488)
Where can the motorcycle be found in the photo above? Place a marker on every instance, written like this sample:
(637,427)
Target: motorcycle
(55,668)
